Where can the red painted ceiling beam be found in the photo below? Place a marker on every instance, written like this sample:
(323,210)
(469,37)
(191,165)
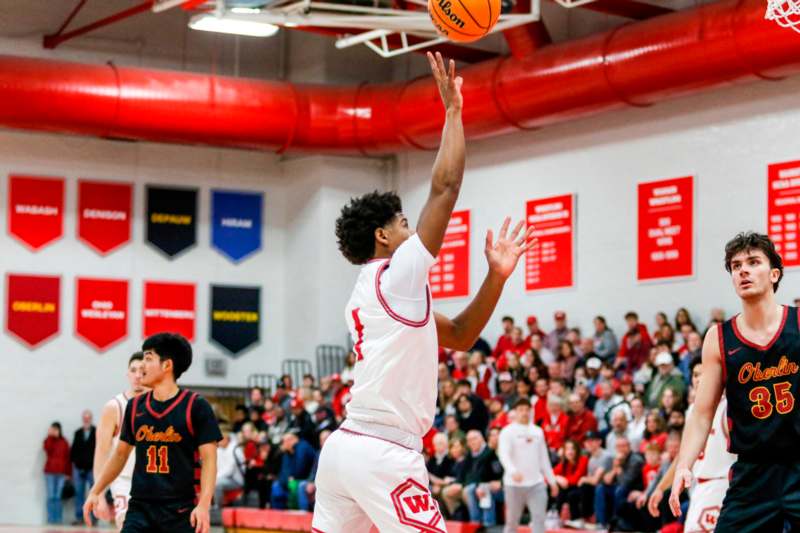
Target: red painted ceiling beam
(51,41)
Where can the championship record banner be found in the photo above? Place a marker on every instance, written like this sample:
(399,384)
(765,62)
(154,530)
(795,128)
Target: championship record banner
(171,219)
(104,214)
(236,223)
(35,209)
(549,264)
(101,311)
(449,277)
(783,210)
(169,307)
(235,317)
(666,229)
(33,307)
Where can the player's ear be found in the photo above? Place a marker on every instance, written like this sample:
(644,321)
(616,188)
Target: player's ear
(382,236)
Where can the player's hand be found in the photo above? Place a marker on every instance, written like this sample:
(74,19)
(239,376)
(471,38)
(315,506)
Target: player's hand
(504,254)
(449,84)
(654,502)
(102,511)
(683,480)
(200,520)
(89,506)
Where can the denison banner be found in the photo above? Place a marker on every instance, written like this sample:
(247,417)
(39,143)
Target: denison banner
(236,223)
(665,229)
(101,311)
(33,307)
(104,214)
(549,264)
(171,219)
(783,209)
(35,209)
(235,317)
(449,277)
(169,307)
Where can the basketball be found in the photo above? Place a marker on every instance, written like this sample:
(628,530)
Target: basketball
(463,21)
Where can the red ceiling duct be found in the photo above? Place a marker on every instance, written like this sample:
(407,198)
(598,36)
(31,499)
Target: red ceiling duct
(633,65)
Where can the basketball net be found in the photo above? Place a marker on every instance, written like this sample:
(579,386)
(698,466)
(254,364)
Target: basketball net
(785,12)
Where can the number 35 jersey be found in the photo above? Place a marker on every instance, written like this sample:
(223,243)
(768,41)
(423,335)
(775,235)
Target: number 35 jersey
(167,436)
(762,384)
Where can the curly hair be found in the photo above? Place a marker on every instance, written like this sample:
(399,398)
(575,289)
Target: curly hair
(747,241)
(356,225)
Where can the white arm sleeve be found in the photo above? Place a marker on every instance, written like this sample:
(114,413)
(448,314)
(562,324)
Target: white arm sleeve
(404,283)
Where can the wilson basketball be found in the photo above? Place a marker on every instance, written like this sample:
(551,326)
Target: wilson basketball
(463,20)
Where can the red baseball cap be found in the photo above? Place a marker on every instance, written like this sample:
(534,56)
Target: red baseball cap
(532,320)
(298,403)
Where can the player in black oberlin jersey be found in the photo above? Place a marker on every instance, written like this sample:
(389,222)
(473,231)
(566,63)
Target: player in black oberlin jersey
(756,357)
(172,430)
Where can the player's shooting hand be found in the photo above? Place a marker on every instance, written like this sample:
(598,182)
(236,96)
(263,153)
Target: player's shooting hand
(654,502)
(88,506)
(103,511)
(200,520)
(683,480)
(504,254)
(449,84)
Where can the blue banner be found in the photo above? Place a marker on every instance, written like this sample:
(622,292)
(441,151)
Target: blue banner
(236,223)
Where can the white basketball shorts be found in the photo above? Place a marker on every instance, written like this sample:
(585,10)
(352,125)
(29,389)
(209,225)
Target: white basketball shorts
(705,504)
(121,492)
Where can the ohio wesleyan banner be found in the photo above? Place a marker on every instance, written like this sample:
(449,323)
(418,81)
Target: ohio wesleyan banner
(101,311)
(33,307)
(235,317)
(236,223)
(171,219)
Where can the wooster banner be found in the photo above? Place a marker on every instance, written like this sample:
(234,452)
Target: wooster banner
(33,307)
(35,210)
(235,317)
(101,311)
(236,223)
(171,219)
(104,214)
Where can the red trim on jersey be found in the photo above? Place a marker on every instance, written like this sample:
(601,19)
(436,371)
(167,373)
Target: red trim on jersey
(189,414)
(391,313)
(315,530)
(774,338)
(360,332)
(166,411)
(374,437)
(133,415)
(701,480)
(722,354)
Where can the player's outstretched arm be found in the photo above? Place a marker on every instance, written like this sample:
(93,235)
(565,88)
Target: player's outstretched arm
(448,170)
(697,427)
(461,332)
(102,451)
(111,470)
(208,478)
(654,500)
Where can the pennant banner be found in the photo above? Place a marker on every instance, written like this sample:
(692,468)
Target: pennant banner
(171,219)
(236,223)
(449,277)
(101,311)
(104,214)
(235,317)
(549,264)
(169,307)
(33,307)
(666,229)
(783,210)
(35,209)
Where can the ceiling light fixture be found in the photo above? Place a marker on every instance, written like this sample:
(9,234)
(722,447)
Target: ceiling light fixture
(208,22)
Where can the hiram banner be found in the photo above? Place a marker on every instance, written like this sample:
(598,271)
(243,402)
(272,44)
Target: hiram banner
(236,223)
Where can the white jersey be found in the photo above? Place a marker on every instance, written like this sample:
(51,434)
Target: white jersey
(714,461)
(396,368)
(121,400)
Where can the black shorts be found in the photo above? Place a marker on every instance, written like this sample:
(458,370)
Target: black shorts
(762,498)
(158,516)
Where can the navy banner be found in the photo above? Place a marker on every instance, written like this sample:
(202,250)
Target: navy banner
(236,223)
(235,317)
(171,219)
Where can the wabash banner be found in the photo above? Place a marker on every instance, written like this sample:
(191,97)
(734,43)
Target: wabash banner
(171,219)
(33,307)
(449,277)
(783,210)
(549,264)
(101,311)
(35,209)
(169,307)
(104,214)
(666,229)
(235,317)
(236,223)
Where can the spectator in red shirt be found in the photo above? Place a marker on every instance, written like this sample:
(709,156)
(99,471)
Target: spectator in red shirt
(554,424)
(572,467)
(504,341)
(635,347)
(499,416)
(57,468)
(581,420)
(655,432)
(533,329)
(516,346)
(540,389)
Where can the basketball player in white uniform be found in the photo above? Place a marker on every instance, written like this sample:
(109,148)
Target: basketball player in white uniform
(371,470)
(710,472)
(107,438)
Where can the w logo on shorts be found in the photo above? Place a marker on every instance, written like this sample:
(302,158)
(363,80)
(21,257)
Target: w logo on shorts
(415,507)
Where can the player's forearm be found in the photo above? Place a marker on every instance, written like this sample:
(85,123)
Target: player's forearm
(666,481)
(448,169)
(111,470)
(208,480)
(101,454)
(471,321)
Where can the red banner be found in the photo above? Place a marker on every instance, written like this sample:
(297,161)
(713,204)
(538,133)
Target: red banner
(549,264)
(169,307)
(449,277)
(35,209)
(104,214)
(32,307)
(666,229)
(783,209)
(101,311)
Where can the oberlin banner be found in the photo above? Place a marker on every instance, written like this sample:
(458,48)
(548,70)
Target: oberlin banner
(33,307)
(235,317)
(35,209)
(550,263)
(104,214)
(449,277)
(101,311)
(169,307)
(783,210)
(171,219)
(666,229)
(236,223)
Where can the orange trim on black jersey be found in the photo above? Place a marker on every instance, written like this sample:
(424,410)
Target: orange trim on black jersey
(166,411)
(752,344)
